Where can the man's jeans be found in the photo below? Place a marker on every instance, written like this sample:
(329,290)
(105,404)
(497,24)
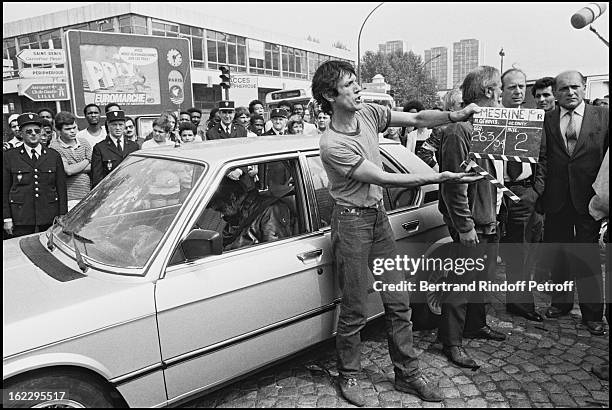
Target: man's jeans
(360,235)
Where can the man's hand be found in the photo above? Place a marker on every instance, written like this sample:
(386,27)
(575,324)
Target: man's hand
(469,239)
(465,113)
(235,174)
(8,227)
(460,177)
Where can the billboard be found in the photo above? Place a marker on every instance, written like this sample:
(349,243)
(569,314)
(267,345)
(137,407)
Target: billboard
(145,75)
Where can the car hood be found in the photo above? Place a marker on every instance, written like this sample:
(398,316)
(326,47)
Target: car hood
(39,310)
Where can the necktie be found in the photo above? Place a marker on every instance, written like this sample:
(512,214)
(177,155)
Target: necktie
(570,134)
(119,146)
(514,169)
(34,156)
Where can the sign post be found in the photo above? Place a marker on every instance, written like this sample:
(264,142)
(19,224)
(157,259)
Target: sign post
(42,56)
(46,91)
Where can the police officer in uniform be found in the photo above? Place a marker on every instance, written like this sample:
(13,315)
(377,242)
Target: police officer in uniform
(226,128)
(108,154)
(278,116)
(33,182)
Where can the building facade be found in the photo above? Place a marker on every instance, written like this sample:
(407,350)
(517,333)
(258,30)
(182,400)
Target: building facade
(436,64)
(395,46)
(466,57)
(277,60)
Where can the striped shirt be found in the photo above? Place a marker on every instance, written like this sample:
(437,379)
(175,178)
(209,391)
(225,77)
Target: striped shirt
(78,185)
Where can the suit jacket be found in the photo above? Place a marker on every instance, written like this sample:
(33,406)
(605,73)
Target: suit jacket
(106,156)
(573,176)
(34,192)
(218,132)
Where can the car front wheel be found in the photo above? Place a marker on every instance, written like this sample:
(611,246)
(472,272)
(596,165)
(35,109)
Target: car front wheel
(62,390)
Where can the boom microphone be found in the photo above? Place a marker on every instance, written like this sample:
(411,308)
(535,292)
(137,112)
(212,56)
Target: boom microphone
(588,14)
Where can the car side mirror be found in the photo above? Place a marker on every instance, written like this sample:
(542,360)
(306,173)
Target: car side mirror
(200,243)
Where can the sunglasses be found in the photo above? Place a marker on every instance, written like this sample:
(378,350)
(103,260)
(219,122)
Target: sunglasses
(33,131)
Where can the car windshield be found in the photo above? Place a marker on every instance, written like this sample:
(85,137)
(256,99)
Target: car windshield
(123,219)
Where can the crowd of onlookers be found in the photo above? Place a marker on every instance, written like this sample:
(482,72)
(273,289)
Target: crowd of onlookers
(47,155)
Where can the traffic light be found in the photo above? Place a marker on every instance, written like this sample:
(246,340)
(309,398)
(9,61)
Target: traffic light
(225,77)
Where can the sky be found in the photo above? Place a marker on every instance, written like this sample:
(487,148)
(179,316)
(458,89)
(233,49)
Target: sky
(536,37)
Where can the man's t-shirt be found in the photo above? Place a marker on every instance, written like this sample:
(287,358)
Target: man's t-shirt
(92,139)
(342,153)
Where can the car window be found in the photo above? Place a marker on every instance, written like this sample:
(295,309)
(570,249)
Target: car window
(393,198)
(397,197)
(121,221)
(264,204)
(325,202)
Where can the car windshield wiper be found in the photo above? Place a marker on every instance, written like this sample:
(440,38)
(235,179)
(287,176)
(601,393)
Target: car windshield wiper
(80,262)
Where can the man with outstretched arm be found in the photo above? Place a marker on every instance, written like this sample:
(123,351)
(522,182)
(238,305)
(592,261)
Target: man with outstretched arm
(360,228)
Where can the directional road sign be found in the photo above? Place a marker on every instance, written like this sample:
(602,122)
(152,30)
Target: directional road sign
(42,72)
(46,91)
(42,56)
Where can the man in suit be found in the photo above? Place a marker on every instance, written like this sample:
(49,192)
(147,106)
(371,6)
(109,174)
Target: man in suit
(226,128)
(576,139)
(278,117)
(523,223)
(33,182)
(108,154)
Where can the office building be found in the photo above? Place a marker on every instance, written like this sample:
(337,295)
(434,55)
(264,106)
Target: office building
(436,65)
(467,55)
(395,46)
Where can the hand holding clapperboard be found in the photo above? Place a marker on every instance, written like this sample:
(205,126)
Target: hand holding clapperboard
(509,134)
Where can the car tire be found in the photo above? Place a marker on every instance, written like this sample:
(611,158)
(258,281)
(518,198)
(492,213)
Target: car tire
(80,391)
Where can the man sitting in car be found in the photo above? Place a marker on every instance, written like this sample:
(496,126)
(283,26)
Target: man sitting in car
(251,217)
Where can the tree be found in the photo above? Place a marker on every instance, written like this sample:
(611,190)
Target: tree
(405,73)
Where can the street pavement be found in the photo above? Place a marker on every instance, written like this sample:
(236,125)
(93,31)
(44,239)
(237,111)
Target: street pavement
(539,365)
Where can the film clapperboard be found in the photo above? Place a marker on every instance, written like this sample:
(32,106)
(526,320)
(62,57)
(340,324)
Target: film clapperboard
(509,134)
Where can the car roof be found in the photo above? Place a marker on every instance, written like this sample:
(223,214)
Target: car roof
(235,148)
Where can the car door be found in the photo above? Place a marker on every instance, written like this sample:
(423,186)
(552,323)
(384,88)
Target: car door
(413,212)
(226,315)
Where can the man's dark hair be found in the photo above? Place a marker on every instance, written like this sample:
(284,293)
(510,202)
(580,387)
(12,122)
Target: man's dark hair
(413,105)
(252,105)
(184,112)
(110,105)
(64,118)
(91,105)
(46,109)
(256,117)
(127,118)
(543,83)
(325,81)
(187,126)
(193,109)
(285,103)
(509,71)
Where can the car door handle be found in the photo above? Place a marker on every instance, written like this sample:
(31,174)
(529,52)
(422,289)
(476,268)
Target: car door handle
(411,226)
(316,254)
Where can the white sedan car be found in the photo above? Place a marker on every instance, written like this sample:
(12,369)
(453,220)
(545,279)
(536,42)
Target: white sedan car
(134,298)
